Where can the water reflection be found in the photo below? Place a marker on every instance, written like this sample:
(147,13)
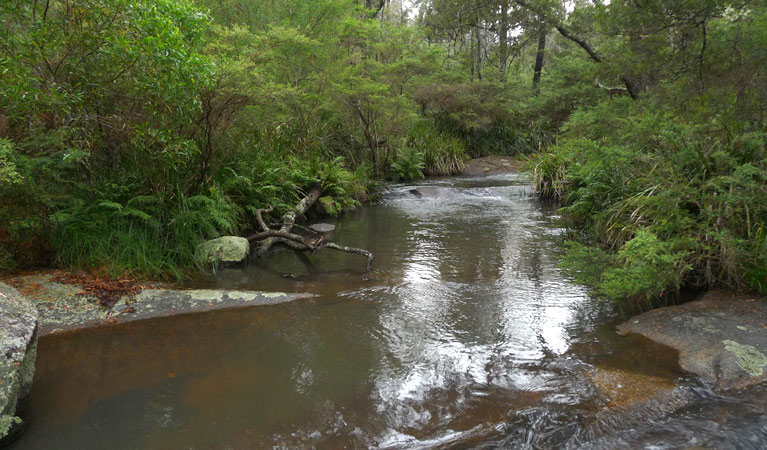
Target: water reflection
(466,334)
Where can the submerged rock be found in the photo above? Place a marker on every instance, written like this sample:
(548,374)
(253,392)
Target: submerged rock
(428,191)
(224,251)
(18,349)
(491,165)
(722,338)
(322,227)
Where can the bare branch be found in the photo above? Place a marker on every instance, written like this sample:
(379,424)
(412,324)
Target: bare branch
(312,244)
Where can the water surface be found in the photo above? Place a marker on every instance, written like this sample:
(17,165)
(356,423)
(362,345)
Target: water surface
(466,334)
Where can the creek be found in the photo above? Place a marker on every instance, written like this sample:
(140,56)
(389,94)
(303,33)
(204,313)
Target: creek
(465,335)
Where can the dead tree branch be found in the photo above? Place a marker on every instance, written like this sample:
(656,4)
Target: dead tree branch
(288,219)
(305,243)
(268,237)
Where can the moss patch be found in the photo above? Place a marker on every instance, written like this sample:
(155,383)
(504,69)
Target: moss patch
(749,358)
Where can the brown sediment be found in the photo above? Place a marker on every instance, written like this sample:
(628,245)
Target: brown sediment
(620,388)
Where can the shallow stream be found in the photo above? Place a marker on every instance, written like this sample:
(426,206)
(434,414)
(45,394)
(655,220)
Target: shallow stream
(466,335)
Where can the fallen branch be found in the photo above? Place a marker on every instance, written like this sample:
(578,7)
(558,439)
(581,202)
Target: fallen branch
(617,90)
(288,219)
(260,217)
(304,243)
(358,251)
(283,235)
(268,237)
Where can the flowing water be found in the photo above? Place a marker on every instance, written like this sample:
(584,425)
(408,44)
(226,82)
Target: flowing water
(466,335)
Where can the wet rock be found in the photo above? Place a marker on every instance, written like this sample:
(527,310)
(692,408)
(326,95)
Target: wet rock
(621,388)
(721,337)
(428,191)
(61,307)
(616,419)
(322,227)
(160,303)
(18,349)
(224,251)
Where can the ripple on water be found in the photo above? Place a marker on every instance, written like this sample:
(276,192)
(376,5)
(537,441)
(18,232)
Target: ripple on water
(467,334)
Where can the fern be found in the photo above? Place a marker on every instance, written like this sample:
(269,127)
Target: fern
(111,205)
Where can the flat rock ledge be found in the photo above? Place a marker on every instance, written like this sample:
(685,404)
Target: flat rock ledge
(18,349)
(62,309)
(721,337)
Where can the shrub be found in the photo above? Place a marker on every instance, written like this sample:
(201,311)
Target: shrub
(672,202)
(431,151)
(409,164)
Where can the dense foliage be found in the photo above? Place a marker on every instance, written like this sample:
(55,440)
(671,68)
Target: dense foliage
(668,189)
(131,130)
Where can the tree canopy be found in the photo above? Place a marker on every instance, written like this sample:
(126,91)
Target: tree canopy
(131,130)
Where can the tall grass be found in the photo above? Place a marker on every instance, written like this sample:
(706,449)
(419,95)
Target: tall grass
(144,236)
(442,153)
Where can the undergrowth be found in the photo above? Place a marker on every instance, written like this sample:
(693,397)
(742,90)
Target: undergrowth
(665,203)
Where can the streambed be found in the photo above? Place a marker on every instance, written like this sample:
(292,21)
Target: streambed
(466,335)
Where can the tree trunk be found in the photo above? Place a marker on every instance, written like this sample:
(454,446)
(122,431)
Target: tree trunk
(375,6)
(539,59)
(307,244)
(471,55)
(632,88)
(478,37)
(503,41)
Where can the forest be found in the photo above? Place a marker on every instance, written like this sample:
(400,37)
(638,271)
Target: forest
(133,130)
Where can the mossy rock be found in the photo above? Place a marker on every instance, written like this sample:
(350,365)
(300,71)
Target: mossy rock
(224,251)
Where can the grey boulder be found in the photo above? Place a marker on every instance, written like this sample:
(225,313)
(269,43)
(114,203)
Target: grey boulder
(224,251)
(18,349)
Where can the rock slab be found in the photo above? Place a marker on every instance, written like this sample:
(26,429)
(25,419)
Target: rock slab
(18,349)
(722,337)
(225,251)
(61,307)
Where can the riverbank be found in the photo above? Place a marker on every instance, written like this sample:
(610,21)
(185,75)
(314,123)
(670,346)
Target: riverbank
(492,165)
(67,306)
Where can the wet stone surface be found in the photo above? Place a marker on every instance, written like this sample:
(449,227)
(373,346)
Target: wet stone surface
(61,308)
(322,227)
(18,343)
(722,338)
(489,165)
